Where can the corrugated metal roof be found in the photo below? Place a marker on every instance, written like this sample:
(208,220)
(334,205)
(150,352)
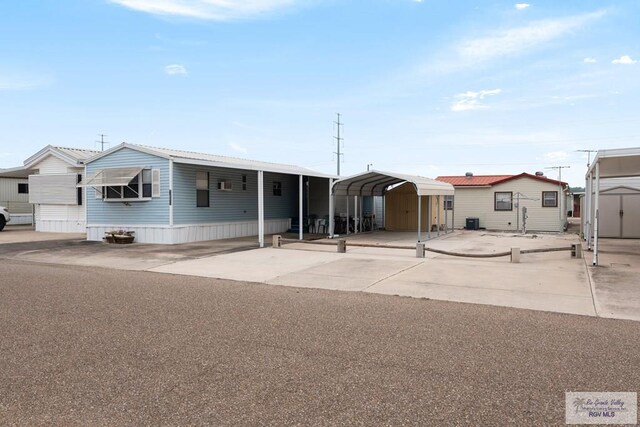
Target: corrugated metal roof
(191,157)
(77,153)
(374,183)
(489,180)
(473,181)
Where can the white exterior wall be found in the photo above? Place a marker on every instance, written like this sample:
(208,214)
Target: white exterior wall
(479,203)
(10,198)
(164,234)
(59,218)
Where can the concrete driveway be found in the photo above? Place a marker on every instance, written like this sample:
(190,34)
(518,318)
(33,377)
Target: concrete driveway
(547,281)
(26,233)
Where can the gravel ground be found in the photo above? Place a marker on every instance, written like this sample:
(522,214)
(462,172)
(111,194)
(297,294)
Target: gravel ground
(91,346)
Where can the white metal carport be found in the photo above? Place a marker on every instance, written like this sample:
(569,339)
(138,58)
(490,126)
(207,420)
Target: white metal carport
(376,183)
(616,163)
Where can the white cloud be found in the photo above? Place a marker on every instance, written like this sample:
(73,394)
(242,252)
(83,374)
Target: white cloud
(521,6)
(24,82)
(216,10)
(624,60)
(589,60)
(238,148)
(471,100)
(516,40)
(175,69)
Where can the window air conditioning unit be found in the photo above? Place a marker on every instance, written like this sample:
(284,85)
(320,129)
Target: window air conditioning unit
(224,186)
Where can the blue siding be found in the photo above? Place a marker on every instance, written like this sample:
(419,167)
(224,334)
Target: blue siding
(234,205)
(155,211)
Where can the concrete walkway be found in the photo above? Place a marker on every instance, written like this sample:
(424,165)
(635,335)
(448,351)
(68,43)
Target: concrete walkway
(547,281)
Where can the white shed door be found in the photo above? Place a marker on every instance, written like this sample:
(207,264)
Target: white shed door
(609,224)
(631,216)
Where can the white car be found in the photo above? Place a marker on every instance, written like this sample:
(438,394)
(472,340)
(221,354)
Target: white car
(4,217)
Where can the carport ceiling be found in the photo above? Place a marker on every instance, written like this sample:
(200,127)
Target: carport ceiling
(619,163)
(375,183)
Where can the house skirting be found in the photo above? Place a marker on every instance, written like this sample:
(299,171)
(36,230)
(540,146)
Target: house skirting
(17,219)
(59,226)
(185,233)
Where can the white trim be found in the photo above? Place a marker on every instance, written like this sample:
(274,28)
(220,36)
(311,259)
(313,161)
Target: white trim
(300,208)
(261,208)
(171,195)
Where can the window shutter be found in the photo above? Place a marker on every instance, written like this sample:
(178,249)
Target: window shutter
(155,192)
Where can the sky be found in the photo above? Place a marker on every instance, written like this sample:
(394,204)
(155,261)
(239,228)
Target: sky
(430,87)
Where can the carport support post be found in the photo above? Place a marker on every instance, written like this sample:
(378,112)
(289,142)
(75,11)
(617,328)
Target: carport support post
(446,218)
(587,210)
(261,208)
(429,218)
(331,208)
(300,221)
(597,214)
(453,213)
(347,232)
(419,218)
(438,214)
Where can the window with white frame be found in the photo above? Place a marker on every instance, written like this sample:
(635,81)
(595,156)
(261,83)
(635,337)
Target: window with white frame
(448,203)
(503,201)
(140,187)
(277,188)
(202,189)
(549,199)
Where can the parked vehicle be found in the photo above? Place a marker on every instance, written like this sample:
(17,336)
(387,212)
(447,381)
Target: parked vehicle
(4,217)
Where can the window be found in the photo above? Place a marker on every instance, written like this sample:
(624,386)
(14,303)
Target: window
(140,187)
(549,199)
(503,201)
(202,189)
(448,203)
(23,188)
(277,188)
(244,182)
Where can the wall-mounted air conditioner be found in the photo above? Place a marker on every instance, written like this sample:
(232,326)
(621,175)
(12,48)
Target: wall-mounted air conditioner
(224,186)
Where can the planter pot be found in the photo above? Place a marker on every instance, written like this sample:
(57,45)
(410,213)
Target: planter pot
(109,238)
(123,239)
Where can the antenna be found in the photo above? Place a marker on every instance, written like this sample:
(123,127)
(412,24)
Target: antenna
(588,155)
(338,143)
(560,197)
(102,142)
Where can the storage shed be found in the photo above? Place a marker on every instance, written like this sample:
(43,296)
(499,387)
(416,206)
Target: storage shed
(612,197)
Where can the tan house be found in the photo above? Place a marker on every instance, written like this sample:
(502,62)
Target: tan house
(523,202)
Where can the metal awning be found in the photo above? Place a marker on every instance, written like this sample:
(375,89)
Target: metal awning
(375,183)
(111,177)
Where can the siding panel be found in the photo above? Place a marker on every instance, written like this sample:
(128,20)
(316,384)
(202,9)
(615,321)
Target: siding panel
(155,211)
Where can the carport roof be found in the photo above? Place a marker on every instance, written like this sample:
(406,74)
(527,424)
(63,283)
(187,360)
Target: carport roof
(375,183)
(617,163)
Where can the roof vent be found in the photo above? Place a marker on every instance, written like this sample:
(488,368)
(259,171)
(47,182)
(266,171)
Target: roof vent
(468,174)
(539,173)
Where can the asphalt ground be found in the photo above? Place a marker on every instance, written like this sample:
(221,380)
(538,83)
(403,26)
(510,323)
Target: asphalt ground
(93,346)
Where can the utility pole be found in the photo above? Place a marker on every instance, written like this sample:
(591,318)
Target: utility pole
(102,141)
(560,196)
(338,143)
(588,155)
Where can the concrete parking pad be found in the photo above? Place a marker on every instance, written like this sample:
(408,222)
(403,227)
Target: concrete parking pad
(616,280)
(26,233)
(549,281)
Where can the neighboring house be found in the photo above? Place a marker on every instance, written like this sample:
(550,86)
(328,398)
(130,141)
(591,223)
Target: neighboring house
(54,175)
(14,195)
(172,196)
(498,201)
